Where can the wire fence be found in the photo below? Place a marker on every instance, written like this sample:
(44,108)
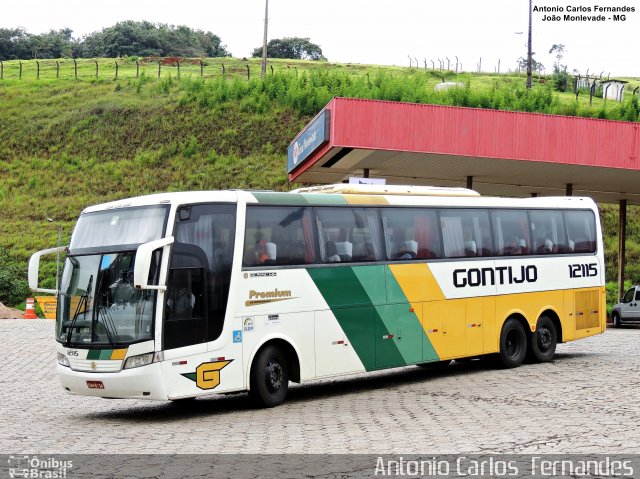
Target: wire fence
(120,69)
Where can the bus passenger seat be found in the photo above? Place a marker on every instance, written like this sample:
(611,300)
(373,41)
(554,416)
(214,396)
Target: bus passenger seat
(270,251)
(407,250)
(331,253)
(470,248)
(344,249)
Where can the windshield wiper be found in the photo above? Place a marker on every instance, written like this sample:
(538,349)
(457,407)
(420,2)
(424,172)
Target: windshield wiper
(84,300)
(107,322)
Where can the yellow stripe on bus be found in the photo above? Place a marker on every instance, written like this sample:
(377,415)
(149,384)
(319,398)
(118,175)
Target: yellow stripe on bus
(471,326)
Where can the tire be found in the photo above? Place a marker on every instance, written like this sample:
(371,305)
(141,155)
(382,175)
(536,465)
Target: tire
(269,379)
(542,344)
(615,317)
(513,344)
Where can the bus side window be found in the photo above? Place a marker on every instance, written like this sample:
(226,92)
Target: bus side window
(411,233)
(349,234)
(465,233)
(547,228)
(581,229)
(511,231)
(278,235)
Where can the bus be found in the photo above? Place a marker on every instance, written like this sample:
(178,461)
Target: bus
(177,295)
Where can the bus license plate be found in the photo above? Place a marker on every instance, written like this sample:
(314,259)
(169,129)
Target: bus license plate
(95,385)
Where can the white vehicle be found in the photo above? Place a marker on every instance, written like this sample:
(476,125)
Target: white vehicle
(178,295)
(628,309)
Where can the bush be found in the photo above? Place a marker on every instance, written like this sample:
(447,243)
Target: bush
(13,284)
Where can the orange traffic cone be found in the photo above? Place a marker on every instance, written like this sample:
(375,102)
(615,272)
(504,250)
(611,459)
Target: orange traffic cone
(30,311)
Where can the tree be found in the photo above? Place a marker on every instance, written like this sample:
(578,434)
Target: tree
(13,284)
(535,65)
(143,38)
(294,48)
(14,44)
(560,75)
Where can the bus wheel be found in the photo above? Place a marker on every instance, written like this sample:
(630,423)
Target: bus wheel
(269,377)
(615,317)
(513,344)
(542,346)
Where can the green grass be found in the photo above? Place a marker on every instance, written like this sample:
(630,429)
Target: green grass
(66,144)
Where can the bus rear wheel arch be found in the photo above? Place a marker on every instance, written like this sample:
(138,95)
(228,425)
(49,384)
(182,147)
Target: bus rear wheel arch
(513,343)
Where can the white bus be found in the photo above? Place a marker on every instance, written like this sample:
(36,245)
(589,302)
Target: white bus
(177,295)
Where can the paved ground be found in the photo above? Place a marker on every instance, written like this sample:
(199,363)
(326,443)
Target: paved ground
(586,401)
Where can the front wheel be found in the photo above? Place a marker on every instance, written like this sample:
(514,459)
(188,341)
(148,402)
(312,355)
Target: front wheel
(615,317)
(269,377)
(542,346)
(513,344)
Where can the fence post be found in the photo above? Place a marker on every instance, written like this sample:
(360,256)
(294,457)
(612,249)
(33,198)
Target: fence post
(1,70)
(57,69)
(223,73)
(158,69)
(75,68)
(137,69)
(20,71)
(96,62)
(271,69)
(116,70)
(248,73)
(201,68)
(178,63)
(37,70)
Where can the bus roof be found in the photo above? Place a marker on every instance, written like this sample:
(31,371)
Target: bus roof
(351,195)
(404,190)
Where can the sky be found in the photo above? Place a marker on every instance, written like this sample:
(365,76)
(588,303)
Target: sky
(374,31)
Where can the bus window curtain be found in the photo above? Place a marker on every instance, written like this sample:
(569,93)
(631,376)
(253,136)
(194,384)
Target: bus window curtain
(422,236)
(307,231)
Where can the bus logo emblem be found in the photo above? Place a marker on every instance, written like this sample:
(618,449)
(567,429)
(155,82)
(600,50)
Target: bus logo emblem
(207,375)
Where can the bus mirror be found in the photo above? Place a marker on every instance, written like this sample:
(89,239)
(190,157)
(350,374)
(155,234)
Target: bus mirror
(34,269)
(143,262)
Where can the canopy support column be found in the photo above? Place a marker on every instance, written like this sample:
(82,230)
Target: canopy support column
(622,237)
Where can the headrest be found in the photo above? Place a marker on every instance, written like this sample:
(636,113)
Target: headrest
(270,249)
(548,244)
(344,248)
(471,246)
(410,246)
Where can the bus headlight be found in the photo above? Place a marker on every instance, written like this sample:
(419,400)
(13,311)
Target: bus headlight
(63,361)
(137,361)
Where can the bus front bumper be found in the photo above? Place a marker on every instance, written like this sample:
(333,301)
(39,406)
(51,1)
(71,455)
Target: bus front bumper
(138,383)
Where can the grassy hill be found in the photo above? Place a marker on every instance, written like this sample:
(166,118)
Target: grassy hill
(66,143)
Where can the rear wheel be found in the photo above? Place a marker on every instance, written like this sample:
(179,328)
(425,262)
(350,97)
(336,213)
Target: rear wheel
(269,377)
(542,346)
(513,344)
(615,317)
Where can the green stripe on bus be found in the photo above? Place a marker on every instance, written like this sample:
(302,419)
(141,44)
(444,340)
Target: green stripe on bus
(105,354)
(325,199)
(412,336)
(351,305)
(94,354)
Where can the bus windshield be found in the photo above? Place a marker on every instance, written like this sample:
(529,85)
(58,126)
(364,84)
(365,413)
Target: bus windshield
(118,229)
(98,303)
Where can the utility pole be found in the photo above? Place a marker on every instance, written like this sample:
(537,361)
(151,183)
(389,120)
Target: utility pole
(264,39)
(529,54)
